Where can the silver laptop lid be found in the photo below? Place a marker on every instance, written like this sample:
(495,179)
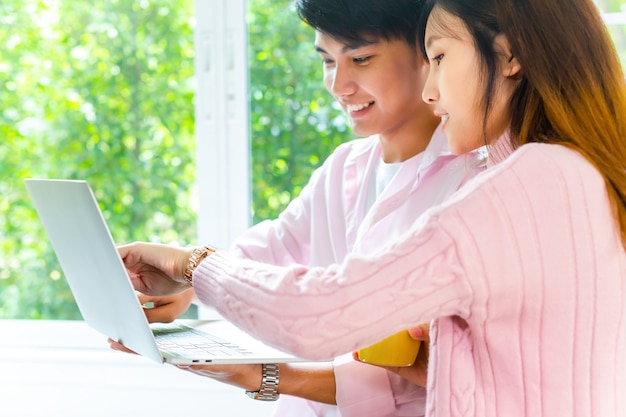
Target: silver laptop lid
(89,258)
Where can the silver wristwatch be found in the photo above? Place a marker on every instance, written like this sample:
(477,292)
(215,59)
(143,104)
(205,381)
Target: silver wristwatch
(269,384)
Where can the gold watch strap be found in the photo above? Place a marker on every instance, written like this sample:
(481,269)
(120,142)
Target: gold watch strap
(196,256)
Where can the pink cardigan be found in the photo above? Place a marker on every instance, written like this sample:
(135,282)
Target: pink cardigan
(523,271)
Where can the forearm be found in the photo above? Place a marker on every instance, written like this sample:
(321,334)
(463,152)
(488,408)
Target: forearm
(311,381)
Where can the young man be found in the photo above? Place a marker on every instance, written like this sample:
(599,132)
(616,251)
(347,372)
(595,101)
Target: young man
(366,193)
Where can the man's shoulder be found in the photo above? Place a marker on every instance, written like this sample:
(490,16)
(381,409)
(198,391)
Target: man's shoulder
(359,145)
(356,149)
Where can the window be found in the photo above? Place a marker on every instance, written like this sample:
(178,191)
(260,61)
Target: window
(291,120)
(614,13)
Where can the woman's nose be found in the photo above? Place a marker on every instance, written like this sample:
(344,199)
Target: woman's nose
(430,94)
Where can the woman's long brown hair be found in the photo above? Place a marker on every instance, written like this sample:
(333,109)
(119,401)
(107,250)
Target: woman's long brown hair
(572,90)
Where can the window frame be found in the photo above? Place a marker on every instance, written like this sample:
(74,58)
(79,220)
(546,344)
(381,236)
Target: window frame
(222,121)
(614,18)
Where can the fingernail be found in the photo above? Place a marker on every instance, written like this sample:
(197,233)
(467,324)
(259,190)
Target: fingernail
(416,332)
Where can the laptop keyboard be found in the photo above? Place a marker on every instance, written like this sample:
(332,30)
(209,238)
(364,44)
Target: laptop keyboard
(181,340)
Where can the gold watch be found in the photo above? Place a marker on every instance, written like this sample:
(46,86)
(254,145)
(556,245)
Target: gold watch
(196,256)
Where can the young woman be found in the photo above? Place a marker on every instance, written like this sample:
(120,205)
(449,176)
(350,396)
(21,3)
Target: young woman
(367,193)
(523,270)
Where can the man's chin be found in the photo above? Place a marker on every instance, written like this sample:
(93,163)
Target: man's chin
(360,130)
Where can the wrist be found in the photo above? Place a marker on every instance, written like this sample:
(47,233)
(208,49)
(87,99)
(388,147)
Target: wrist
(254,379)
(270,378)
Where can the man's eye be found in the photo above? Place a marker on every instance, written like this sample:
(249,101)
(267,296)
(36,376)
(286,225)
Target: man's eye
(361,60)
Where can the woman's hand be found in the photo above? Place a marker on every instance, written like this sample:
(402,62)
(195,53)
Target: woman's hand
(163,309)
(166,308)
(156,269)
(418,372)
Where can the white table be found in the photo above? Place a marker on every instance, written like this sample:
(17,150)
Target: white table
(66,369)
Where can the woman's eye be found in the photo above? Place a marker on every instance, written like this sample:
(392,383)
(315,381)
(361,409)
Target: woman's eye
(437,59)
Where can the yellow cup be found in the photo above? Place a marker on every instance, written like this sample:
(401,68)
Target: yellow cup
(397,350)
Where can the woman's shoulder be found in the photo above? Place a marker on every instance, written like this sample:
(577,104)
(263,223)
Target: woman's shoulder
(540,168)
(547,157)
(533,167)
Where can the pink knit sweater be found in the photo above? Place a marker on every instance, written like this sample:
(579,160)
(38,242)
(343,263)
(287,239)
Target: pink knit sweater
(523,271)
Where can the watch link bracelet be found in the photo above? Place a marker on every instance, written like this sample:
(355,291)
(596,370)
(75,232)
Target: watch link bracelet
(196,256)
(269,384)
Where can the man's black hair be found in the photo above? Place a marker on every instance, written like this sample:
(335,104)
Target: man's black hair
(357,22)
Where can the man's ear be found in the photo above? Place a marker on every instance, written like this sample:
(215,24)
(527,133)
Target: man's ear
(511,67)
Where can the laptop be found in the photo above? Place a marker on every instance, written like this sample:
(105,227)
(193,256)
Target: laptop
(105,296)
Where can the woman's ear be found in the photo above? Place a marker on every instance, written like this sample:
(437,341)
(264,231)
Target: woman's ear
(510,65)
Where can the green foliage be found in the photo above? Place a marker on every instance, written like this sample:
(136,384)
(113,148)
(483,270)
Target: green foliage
(103,91)
(99,91)
(618,31)
(294,120)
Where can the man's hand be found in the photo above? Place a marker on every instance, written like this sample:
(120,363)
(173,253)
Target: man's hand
(312,381)
(247,377)
(118,346)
